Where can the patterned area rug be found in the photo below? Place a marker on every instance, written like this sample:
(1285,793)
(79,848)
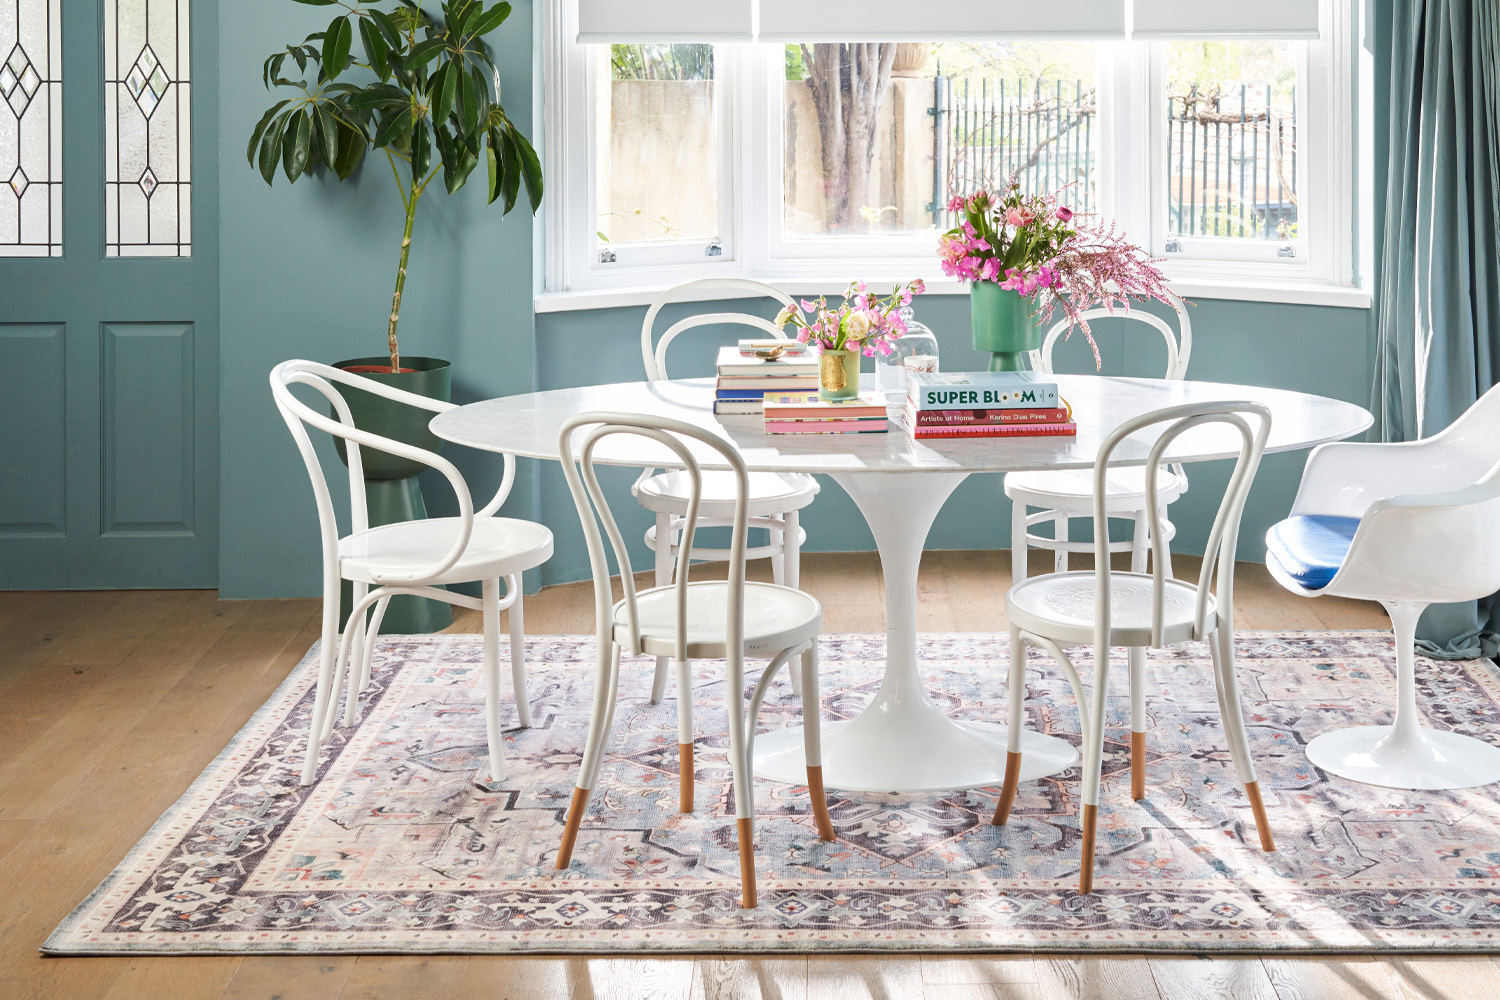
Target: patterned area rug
(396,849)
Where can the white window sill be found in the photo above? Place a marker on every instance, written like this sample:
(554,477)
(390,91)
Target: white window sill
(1284,292)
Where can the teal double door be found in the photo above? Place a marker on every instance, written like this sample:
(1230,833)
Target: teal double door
(109,368)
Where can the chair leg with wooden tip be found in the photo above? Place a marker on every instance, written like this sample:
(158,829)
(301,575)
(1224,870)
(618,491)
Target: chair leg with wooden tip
(1093,763)
(576,809)
(1008,790)
(1137,662)
(1137,766)
(684,670)
(600,719)
(812,738)
(1086,863)
(1015,687)
(746,826)
(1258,808)
(1221,645)
(685,777)
(743,772)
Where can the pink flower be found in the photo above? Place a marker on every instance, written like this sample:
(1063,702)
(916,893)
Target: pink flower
(1019,217)
(956,203)
(1064,213)
(803,334)
(918,287)
(808,306)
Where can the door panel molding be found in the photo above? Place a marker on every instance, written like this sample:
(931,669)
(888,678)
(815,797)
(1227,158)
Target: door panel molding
(33,430)
(147,410)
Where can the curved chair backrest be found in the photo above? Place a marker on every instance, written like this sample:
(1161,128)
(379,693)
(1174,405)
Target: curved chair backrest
(594,510)
(1222,539)
(656,357)
(299,416)
(1179,342)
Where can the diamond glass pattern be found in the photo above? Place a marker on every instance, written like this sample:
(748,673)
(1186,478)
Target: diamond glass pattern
(147,81)
(19,81)
(31,129)
(148,150)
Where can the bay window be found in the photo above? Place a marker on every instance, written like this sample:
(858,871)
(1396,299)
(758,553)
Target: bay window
(792,155)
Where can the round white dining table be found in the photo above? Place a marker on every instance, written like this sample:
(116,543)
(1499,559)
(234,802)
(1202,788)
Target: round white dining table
(902,741)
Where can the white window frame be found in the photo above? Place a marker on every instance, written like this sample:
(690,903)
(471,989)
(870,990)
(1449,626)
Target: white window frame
(1132,156)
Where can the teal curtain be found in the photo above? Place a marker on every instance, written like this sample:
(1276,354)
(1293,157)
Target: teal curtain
(1438,312)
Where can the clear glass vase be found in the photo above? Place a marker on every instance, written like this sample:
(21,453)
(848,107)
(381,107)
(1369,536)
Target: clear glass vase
(890,371)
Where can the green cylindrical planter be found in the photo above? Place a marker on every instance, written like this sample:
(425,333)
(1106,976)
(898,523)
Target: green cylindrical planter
(1003,326)
(838,374)
(392,492)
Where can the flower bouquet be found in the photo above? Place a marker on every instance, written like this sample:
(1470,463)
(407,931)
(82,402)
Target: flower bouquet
(863,325)
(1026,255)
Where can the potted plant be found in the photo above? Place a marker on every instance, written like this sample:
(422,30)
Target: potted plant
(421,88)
(863,325)
(1027,255)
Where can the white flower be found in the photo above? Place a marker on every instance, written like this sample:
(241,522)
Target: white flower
(784,317)
(857,326)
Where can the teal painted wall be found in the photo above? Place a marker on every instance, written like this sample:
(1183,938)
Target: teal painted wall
(306,272)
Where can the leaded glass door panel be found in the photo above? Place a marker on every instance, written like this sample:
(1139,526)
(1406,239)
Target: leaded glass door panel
(108,294)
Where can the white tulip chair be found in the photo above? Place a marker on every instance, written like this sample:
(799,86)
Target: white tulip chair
(1407,524)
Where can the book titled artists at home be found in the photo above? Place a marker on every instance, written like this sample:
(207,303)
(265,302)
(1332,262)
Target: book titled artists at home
(744,379)
(923,432)
(948,418)
(805,413)
(980,391)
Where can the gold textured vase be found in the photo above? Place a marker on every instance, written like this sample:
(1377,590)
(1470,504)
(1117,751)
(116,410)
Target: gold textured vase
(838,374)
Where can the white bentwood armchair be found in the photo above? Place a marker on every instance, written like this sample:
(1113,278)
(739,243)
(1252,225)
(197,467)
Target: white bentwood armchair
(1104,608)
(409,557)
(730,619)
(1407,524)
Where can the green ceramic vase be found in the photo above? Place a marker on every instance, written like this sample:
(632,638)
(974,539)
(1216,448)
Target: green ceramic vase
(838,374)
(1003,326)
(392,492)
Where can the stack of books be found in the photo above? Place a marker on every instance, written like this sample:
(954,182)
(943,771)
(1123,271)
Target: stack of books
(984,404)
(805,413)
(745,380)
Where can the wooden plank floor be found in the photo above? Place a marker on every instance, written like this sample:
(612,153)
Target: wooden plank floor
(111,703)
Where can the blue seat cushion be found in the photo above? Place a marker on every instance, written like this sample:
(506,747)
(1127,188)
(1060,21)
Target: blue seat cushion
(1311,547)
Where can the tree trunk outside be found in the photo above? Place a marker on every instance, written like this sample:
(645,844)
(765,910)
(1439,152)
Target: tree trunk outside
(849,83)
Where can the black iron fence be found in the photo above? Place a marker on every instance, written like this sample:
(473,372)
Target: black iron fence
(1231,155)
(1039,131)
(1232,162)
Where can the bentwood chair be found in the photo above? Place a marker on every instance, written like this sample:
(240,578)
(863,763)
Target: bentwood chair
(730,619)
(1065,495)
(1104,608)
(1406,524)
(409,557)
(775,499)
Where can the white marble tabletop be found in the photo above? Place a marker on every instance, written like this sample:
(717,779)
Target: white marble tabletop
(527,426)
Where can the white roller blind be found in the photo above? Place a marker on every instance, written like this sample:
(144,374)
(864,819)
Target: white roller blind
(666,20)
(938,20)
(1225,19)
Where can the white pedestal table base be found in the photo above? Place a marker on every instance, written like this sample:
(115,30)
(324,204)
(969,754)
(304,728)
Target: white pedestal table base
(902,741)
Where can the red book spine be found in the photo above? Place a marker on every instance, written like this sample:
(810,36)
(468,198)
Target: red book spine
(941,418)
(995,430)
